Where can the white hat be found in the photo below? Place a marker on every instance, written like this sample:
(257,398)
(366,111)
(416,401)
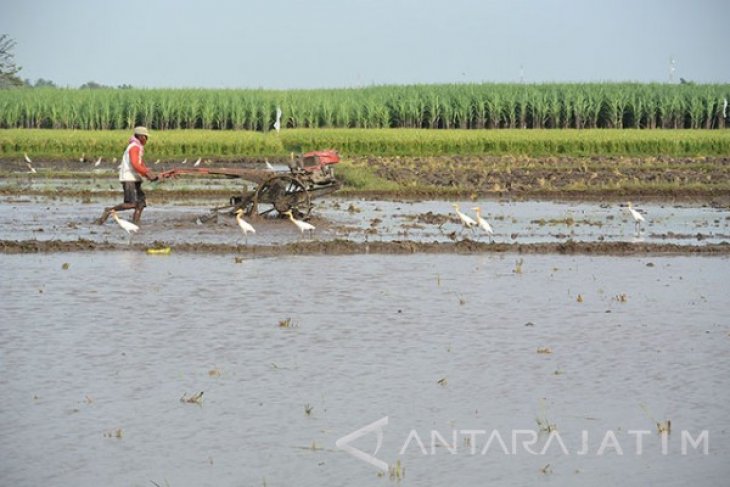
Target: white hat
(141,131)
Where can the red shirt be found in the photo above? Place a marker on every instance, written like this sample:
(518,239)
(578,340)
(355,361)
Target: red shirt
(136,159)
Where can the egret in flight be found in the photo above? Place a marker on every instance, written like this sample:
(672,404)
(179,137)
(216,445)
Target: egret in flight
(482,223)
(245,226)
(302,225)
(128,226)
(638,217)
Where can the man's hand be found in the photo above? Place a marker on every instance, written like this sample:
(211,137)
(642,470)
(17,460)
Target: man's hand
(152,176)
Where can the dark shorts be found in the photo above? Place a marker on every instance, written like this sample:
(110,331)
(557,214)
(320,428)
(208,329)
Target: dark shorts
(133,193)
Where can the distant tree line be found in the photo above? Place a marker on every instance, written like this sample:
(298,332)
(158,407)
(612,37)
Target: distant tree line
(9,72)
(89,85)
(8,68)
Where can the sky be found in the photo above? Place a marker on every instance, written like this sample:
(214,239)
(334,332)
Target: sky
(291,44)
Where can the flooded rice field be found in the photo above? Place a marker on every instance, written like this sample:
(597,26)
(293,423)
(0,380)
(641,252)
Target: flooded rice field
(525,222)
(121,368)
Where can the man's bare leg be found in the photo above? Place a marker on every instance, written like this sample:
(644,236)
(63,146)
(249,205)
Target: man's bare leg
(107,211)
(137,214)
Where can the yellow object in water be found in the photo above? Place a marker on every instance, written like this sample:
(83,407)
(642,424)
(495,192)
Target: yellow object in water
(160,251)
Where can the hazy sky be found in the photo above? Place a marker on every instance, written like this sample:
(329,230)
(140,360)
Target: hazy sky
(344,43)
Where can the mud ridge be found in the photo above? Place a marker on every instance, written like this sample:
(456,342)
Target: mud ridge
(347,247)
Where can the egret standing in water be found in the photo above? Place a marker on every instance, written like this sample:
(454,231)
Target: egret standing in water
(483,224)
(466,220)
(28,163)
(638,218)
(302,225)
(245,226)
(128,226)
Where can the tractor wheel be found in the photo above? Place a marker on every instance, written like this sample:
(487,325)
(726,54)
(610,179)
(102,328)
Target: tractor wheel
(279,194)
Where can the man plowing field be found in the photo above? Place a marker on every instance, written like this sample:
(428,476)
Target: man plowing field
(131,172)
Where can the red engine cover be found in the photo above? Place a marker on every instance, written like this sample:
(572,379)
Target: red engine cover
(315,159)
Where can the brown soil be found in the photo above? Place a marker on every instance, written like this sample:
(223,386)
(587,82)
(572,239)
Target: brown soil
(705,179)
(346,247)
(552,177)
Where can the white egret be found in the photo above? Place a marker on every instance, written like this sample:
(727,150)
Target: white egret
(245,226)
(724,108)
(197,163)
(482,223)
(129,227)
(466,220)
(185,161)
(157,161)
(302,225)
(28,161)
(98,161)
(277,124)
(31,169)
(638,217)
(269,166)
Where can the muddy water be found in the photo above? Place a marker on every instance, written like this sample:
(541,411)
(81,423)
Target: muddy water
(108,346)
(40,218)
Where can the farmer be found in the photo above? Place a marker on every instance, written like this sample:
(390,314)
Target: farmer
(130,175)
